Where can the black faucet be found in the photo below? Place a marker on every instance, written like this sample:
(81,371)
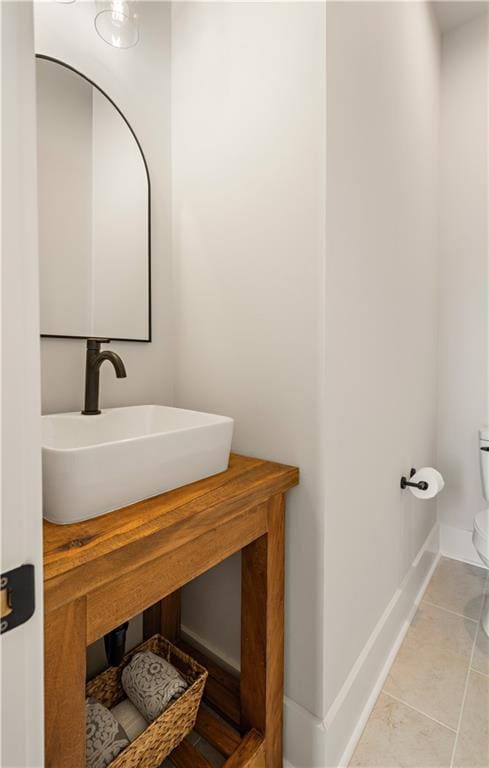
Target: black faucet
(95,358)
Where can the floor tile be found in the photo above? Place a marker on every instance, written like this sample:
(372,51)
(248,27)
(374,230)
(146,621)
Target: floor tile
(398,737)
(457,587)
(480,661)
(473,740)
(430,670)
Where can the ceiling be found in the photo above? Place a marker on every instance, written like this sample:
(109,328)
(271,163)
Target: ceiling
(453,13)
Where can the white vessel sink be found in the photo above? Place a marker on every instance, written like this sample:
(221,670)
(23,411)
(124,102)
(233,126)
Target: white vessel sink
(95,464)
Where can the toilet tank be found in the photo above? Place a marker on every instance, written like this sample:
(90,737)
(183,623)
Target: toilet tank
(484,460)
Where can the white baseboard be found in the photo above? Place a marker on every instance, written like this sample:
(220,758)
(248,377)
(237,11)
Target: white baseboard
(304,736)
(310,743)
(217,654)
(457,544)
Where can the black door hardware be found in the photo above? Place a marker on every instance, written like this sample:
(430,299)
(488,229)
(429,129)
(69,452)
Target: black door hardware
(17,597)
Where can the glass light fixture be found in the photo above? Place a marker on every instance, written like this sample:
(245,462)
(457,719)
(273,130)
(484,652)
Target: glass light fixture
(118,23)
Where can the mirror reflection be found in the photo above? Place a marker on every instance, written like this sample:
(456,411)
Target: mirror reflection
(93,212)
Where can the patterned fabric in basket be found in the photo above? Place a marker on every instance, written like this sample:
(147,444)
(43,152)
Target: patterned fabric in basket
(151,683)
(105,736)
(165,733)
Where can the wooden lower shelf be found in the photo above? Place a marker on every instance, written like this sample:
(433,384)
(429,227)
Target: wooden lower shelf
(236,752)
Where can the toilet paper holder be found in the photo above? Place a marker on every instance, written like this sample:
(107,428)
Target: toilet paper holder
(405,483)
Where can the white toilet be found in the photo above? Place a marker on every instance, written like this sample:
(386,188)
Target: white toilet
(480,536)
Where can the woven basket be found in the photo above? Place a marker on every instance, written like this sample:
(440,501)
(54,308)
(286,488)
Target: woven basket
(165,733)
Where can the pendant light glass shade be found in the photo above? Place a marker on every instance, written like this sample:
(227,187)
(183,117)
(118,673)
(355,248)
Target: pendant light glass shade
(118,24)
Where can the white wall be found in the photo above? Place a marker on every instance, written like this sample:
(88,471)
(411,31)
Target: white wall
(381,338)
(464,342)
(257,322)
(381,308)
(248,142)
(138,80)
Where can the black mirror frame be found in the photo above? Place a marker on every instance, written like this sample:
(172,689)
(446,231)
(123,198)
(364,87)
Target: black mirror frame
(80,74)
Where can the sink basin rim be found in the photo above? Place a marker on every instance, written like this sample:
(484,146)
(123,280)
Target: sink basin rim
(216,419)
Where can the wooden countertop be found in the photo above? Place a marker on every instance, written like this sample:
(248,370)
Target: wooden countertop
(81,556)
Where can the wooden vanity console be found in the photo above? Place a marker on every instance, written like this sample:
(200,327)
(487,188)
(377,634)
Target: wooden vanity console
(101,572)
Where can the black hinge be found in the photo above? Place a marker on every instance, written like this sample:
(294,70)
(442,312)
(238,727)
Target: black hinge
(17,597)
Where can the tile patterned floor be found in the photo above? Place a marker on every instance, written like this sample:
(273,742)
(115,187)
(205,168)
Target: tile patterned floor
(433,711)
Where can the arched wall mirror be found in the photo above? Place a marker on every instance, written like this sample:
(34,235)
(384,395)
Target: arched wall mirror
(94,212)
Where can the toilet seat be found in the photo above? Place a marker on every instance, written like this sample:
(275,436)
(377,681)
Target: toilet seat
(480,536)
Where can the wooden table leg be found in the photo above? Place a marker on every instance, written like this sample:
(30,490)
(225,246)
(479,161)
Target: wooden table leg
(163,618)
(64,685)
(262,634)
